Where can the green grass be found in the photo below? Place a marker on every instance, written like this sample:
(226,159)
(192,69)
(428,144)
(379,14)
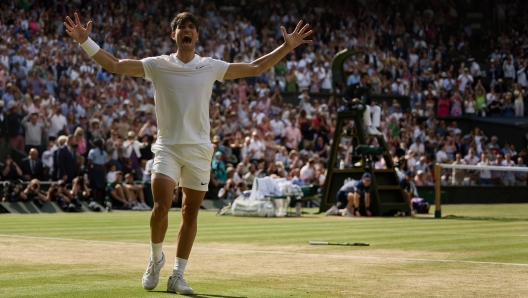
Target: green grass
(104,255)
(487,211)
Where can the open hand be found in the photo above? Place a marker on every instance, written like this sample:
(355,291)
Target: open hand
(75,30)
(296,38)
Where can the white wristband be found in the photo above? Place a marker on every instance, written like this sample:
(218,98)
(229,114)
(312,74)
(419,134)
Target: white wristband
(90,47)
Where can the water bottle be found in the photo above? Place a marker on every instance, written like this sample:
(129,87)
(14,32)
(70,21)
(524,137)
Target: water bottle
(298,209)
(342,165)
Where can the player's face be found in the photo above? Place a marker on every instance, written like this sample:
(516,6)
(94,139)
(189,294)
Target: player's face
(186,36)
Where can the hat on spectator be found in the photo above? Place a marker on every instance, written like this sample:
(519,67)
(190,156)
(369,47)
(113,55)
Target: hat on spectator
(471,60)
(131,134)
(466,69)
(417,139)
(492,60)
(126,102)
(12,105)
(36,97)
(94,120)
(366,176)
(483,105)
(83,116)
(443,75)
(9,84)
(419,172)
(500,80)
(467,137)
(103,96)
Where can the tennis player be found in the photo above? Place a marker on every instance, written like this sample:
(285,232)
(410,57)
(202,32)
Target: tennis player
(183,85)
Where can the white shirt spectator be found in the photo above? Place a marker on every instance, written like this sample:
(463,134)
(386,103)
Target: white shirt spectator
(464,79)
(277,127)
(484,174)
(441,155)
(509,70)
(259,148)
(419,149)
(57,123)
(475,69)
(307,173)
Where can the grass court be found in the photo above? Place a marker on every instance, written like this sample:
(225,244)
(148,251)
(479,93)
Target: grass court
(105,255)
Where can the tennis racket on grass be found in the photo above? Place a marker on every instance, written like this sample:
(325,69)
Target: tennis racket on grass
(339,243)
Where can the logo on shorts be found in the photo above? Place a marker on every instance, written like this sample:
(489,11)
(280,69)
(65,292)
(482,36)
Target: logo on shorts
(203,183)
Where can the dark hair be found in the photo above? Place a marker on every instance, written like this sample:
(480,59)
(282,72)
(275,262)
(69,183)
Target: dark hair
(99,144)
(182,18)
(363,74)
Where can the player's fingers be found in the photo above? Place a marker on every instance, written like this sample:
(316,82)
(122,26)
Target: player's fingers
(307,33)
(298,26)
(68,27)
(304,28)
(89,26)
(284,33)
(70,21)
(77,19)
(307,41)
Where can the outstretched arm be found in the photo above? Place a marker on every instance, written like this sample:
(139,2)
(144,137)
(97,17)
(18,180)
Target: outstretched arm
(291,41)
(127,67)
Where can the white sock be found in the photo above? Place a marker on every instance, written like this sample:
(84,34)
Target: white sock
(179,266)
(156,251)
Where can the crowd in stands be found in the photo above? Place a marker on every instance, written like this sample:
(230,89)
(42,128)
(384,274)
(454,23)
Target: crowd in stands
(76,120)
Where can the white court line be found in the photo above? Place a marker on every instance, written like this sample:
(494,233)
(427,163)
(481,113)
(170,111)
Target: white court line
(276,252)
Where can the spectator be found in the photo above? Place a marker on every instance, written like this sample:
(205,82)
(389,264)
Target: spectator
(136,193)
(308,172)
(228,191)
(131,149)
(34,130)
(458,175)
(508,177)
(10,170)
(67,160)
(14,127)
(58,123)
(497,177)
(119,194)
(441,155)
(520,177)
(97,158)
(296,179)
(485,175)
(32,167)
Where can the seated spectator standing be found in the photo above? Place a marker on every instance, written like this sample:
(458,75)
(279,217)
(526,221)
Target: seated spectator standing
(520,177)
(34,130)
(32,167)
(485,175)
(348,197)
(67,161)
(97,159)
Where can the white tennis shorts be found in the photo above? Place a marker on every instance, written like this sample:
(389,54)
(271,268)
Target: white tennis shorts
(187,164)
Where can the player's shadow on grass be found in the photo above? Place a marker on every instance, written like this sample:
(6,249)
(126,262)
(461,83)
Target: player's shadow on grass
(198,295)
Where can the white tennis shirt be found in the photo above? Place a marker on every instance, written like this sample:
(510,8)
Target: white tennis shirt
(182,92)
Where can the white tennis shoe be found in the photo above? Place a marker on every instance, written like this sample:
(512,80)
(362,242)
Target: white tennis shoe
(176,284)
(151,277)
(332,211)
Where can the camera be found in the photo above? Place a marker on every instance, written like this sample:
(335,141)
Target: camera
(35,186)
